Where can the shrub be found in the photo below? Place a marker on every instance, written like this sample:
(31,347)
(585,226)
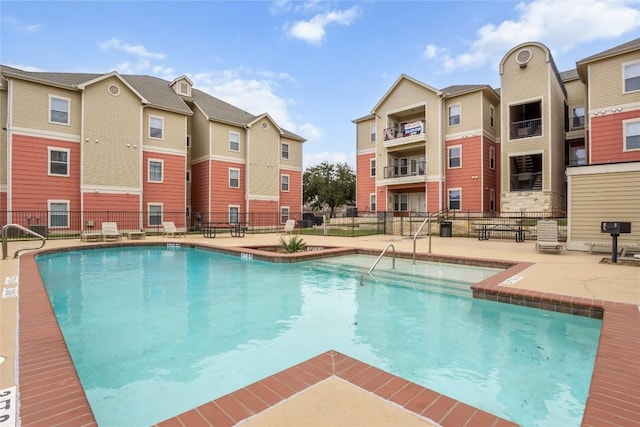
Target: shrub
(292,245)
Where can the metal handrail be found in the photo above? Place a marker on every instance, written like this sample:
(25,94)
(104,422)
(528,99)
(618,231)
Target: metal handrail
(415,236)
(5,239)
(390,245)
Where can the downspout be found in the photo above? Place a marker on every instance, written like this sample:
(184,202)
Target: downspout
(9,127)
(141,168)
(482,151)
(209,166)
(247,164)
(441,142)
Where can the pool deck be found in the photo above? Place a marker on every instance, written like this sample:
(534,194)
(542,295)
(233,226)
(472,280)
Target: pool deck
(333,389)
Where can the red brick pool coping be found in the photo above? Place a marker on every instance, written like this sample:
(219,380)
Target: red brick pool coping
(50,392)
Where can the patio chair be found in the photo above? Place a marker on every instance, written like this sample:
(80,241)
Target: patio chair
(110,231)
(547,232)
(289,226)
(170,229)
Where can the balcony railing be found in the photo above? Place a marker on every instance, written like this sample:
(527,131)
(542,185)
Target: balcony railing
(526,128)
(577,122)
(526,181)
(416,169)
(409,129)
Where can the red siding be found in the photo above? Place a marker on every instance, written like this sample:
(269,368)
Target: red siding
(32,186)
(366,184)
(200,188)
(433,196)
(607,142)
(463,177)
(490,176)
(171,192)
(293,197)
(221,195)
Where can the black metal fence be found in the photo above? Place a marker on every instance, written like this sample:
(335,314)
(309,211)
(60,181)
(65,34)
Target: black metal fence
(71,224)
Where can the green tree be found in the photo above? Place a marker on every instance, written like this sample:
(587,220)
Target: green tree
(329,185)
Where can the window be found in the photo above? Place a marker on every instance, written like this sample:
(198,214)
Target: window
(234,141)
(234,214)
(577,117)
(234,178)
(284,214)
(188,142)
(401,202)
(156,125)
(284,183)
(455,199)
(632,135)
(492,158)
(455,156)
(154,214)
(155,170)
(454,115)
(372,167)
(188,175)
(492,200)
(285,151)
(58,110)
(58,161)
(373,133)
(372,202)
(58,213)
(631,77)
(492,116)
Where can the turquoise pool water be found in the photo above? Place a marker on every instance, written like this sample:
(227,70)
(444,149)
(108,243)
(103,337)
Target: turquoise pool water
(155,331)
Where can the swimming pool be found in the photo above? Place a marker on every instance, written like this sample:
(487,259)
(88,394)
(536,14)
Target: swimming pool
(150,330)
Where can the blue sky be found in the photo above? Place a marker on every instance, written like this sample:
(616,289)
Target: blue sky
(314,66)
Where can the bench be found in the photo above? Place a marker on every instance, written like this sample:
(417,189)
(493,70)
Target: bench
(484,230)
(209,229)
(135,235)
(623,247)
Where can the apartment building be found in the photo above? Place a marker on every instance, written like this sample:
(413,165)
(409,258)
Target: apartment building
(425,149)
(473,148)
(75,142)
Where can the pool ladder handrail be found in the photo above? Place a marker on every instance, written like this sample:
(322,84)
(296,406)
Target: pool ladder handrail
(390,245)
(427,220)
(5,239)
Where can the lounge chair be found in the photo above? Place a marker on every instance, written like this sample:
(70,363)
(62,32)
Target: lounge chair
(547,232)
(110,231)
(289,226)
(169,229)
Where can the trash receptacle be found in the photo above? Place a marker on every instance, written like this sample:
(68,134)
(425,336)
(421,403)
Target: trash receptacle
(352,212)
(445,228)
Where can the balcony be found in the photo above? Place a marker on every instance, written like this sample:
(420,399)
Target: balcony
(526,181)
(526,128)
(412,172)
(405,133)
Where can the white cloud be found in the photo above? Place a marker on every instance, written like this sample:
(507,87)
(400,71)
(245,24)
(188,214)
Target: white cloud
(561,25)
(431,51)
(313,31)
(310,132)
(20,27)
(328,156)
(136,50)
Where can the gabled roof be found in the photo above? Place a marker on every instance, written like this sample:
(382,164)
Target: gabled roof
(455,90)
(153,91)
(621,49)
(569,75)
(397,82)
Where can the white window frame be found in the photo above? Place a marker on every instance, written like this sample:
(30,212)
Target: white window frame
(492,200)
(230,178)
(625,126)
(459,115)
(284,154)
(188,175)
(373,132)
(154,205)
(67,101)
(452,147)
(449,190)
(492,158)
(625,65)
(400,199)
(230,208)
(492,116)
(50,161)
(149,177)
(283,178)
(232,143)
(52,223)
(373,202)
(161,119)
(284,214)
(372,168)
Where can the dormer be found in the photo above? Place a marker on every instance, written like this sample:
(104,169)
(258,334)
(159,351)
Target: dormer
(182,85)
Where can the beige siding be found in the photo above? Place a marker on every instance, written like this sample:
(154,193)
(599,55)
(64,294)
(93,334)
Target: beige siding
(605,82)
(220,141)
(363,135)
(604,197)
(576,94)
(295,154)
(199,135)
(470,113)
(487,101)
(263,174)
(556,142)
(114,121)
(174,131)
(30,107)
(3,138)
